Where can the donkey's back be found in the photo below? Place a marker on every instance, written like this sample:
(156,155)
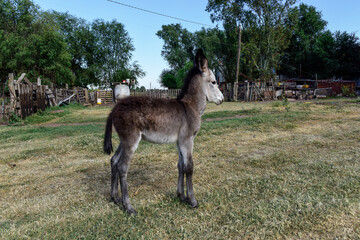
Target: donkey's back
(155,120)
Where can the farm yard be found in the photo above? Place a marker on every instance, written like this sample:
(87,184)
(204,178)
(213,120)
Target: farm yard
(264,170)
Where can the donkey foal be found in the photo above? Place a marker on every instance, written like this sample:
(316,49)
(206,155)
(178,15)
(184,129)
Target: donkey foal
(161,121)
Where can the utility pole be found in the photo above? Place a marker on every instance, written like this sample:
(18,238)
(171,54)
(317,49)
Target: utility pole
(236,83)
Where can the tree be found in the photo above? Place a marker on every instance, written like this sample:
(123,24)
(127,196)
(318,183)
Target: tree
(317,50)
(210,41)
(219,45)
(113,50)
(168,79)
(266,24)
(79,52)
(81,44)
(310,44)
(178,45)
(28,40)
(346,54)
(173,79)
(132,72)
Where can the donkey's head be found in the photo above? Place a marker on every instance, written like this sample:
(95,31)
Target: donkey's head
(209,84)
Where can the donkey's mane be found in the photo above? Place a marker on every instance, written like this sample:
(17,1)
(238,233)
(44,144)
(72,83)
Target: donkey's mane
(191,74)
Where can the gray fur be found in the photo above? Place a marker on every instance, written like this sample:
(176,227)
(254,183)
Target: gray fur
(162,121)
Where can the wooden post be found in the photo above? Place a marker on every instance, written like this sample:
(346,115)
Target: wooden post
(20,78)
(236,83)
(86,93)
(247,90)
(77,95)
(38,81)
(12,93)
(251,92)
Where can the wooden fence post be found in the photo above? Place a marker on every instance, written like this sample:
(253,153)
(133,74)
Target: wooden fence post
(12,93)
(86,93)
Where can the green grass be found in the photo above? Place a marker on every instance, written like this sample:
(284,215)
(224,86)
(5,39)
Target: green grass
(50,113)
(270,174)
(223,114)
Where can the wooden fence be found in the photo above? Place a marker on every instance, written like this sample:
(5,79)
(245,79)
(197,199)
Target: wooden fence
(27,98)
(157,93)
(250,91)
(106,96)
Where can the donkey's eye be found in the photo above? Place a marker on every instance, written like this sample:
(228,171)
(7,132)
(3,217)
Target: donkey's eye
(213,82)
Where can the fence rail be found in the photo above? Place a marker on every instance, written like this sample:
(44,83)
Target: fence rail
(157,93)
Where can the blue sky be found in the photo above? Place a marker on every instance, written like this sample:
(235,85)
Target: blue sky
(343,15)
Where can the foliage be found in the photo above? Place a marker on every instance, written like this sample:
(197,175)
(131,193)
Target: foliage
(178,45)
(132,72)
(79,52)
(308,37)
(175,79)
(347,91)
(168,79)
(112,49)
(315,50)
(276,39)
(81,44)
(346,54)
(286,105)
(267,24)
(15,120)
(28,39)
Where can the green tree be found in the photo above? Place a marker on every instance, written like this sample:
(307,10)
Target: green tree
(28,39)
(178,45)
(210,41)
(81,45)
(168,79)
(346,55)
(266,24)
(310,44)
(173,79)
(113,51)
(132,72)
(321,58)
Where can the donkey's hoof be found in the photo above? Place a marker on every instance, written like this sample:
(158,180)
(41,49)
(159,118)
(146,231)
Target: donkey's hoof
(116,200)
(193,204)
(131,211)
(182,198)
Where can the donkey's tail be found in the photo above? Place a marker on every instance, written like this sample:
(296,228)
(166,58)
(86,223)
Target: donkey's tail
(107,139)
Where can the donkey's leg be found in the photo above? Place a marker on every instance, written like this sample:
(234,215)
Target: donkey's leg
(180,186)
(115,176)
(128,148)
(186,148)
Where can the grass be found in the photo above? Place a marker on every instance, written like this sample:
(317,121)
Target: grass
(271,173)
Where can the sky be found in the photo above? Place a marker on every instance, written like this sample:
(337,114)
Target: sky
(342,15)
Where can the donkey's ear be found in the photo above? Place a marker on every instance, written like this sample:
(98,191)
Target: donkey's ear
(200,60)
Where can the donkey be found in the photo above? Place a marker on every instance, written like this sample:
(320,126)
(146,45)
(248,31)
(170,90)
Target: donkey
(161,121)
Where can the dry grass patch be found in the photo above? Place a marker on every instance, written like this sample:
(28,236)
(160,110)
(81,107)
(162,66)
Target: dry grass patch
(271,174)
